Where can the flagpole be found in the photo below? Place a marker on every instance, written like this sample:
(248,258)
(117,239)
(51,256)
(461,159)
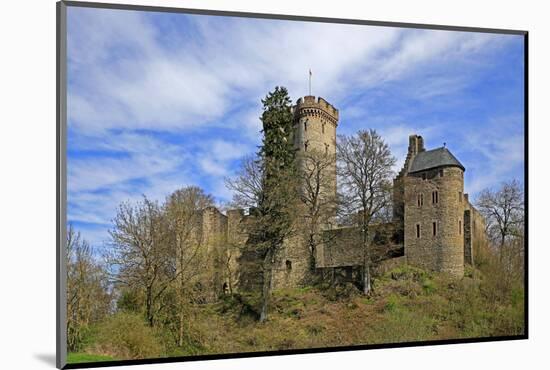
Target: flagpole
(310,82)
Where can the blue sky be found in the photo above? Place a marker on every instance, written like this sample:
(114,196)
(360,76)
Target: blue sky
(158,101)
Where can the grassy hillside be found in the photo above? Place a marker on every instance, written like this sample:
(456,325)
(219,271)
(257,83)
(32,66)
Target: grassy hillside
(408,304)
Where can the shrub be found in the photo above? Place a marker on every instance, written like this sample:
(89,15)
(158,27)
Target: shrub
(428,286)
(126,336)
(391,304)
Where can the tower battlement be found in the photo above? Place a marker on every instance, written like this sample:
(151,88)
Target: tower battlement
(316,106)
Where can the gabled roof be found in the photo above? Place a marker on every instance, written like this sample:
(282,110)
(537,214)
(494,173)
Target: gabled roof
(434,158)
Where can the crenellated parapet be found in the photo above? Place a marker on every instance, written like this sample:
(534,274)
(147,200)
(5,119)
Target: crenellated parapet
(310,106)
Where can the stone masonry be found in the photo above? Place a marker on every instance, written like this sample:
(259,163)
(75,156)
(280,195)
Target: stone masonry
(434,225)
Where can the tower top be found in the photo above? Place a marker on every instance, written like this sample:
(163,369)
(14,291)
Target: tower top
(310,105)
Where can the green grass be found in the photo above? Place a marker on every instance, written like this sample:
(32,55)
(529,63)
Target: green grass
(75,358)
(407,304)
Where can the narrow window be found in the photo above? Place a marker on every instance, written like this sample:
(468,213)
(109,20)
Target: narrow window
(440,173)
(323,128)
(435,197)
(288,265)
(305,146)
(326,148)
(459,227)
(424,176)
(460,196)
(418,230)
(305,126)
(420,200)
(434,228)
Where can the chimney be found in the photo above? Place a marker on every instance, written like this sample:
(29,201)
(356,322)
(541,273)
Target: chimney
(416,144)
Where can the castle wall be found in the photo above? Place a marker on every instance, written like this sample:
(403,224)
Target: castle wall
(468,249)
(474,232)
(340,247)
(236,239)
(443,251)
(343,246)
(292,267)
(214,238)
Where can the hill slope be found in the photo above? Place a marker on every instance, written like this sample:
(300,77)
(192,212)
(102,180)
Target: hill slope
(408,304)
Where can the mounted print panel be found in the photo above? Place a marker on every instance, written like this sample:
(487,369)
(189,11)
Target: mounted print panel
(244,184)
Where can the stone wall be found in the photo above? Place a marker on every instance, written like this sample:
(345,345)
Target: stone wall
(237,237)
(343,246)
(468,249)
(292,265)
(443,251)
(214,238)
(474,231)
(340,247)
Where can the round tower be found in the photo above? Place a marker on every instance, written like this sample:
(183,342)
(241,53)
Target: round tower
(315,122)
(434,212)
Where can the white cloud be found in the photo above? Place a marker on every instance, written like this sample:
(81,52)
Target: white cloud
(150,85)
(499,146)
(126,79)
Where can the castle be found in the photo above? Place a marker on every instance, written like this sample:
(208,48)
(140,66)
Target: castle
(434,226)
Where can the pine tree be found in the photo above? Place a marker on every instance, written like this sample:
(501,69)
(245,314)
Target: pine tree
(276,212)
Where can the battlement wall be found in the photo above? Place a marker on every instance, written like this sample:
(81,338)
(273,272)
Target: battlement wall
(312,106)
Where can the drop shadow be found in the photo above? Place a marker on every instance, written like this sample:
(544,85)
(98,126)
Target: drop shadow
(47,358)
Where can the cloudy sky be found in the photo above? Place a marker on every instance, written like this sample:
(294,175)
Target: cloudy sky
(157,101)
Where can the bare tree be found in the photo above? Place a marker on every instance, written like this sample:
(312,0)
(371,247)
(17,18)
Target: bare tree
(365,168)
(504,214)
(318,194)
(247,186)
(140,256)
(88,295)
(183,211)
(503,211)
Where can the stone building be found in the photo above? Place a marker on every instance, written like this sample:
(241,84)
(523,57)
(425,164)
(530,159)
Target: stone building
(434,225)
(434,215)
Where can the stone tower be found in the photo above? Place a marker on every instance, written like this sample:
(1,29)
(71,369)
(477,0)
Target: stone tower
(430,192)
(315,122)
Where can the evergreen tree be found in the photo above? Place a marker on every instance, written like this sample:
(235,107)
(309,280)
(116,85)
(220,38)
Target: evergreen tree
(276,207)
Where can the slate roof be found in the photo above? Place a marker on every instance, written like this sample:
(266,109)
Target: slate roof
(434,158)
